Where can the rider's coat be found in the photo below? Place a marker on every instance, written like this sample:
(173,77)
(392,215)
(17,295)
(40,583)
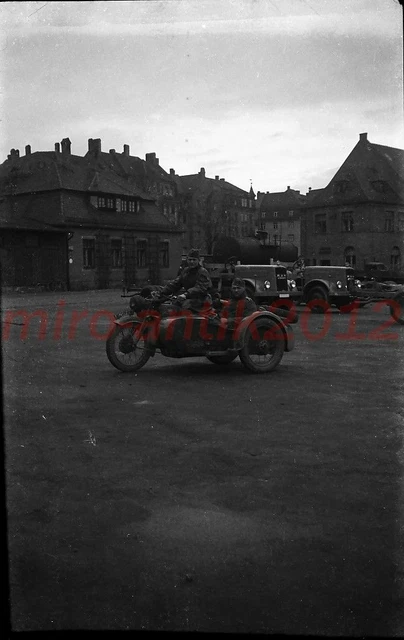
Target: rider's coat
(195,281)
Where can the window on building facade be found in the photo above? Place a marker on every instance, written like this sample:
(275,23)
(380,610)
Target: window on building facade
(291,225)
(116,253)
(133,206)
(141,253)
(401,220)
(389,221)
(275,214)
(347,221)
(320,223)
(275,225)
(291,237)
(88,253)
(250,203)
(106,203)
(290,214)
(164,254)
(395,259)
(243,202)
(350,257)
(263,214)
(275,239)
(124,206)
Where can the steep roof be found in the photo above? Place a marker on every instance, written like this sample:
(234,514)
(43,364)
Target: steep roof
(371,173)
(281,199)
(48,170)
(59,211)
(196,180)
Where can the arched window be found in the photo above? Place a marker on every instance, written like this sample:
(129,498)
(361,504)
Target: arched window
(350,257)
(395,258)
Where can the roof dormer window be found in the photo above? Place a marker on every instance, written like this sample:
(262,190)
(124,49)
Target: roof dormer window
(379,185)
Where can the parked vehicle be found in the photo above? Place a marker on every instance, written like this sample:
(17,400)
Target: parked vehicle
(159,325)
(379,272)
(326,285)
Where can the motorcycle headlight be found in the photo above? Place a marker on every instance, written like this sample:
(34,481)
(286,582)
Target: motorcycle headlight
(339,284)
(267,284)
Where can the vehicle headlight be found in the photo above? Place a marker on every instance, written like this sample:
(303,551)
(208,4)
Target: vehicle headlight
(358,284)
(339,284)
(292,284)
(267,284)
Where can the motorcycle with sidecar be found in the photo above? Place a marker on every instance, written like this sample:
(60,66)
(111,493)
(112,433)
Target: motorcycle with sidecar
(159,324)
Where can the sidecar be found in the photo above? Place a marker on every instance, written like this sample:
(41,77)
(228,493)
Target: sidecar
(259,340)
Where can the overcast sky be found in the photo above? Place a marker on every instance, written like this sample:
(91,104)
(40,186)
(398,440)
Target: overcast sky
(273,91)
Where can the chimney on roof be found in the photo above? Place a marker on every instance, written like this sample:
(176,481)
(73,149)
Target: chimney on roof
(57,147)
(216,177)
(267,193)
(94,146)
(172,172)
(202,172)
(363,137)
(150,157)
(28,150)
(309,189)
(126,150)
(112,150)
(288,188)
(221,179)
(66,146)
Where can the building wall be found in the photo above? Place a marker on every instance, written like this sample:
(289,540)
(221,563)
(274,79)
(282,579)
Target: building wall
(369,238)
(103,273)
(33,259)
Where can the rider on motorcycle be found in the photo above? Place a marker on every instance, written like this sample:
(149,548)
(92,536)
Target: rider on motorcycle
(195,279)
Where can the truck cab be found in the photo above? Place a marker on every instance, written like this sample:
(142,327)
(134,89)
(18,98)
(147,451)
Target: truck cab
(264,283)
(331,285)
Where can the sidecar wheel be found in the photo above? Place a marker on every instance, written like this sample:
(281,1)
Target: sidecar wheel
(121,351)
(264,346)
(222,359)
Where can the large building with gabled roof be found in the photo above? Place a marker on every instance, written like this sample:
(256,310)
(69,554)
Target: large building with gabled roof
(95,221)
(359,216)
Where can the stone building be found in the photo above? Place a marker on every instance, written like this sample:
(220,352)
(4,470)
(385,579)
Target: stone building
(98,221)
(213,207)
(279,216)
(359,216)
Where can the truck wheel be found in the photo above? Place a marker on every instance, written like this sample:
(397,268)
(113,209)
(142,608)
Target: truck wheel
(398,313)
(222,359)
(123,353)
(263,347)
(318,293)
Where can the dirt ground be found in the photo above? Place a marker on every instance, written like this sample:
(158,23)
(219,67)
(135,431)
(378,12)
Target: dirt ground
(195,497)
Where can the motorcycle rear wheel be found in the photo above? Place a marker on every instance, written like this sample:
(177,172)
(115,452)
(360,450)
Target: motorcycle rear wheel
(122,353)
(264,346)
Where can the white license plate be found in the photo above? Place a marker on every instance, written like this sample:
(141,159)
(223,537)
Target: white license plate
(284,295)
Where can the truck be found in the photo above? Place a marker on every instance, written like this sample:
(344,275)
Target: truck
(266,283)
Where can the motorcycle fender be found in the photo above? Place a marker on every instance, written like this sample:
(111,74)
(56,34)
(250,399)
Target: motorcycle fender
(287,331)
(127,320)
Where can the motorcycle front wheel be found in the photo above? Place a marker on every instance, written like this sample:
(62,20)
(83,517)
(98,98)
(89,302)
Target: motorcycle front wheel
(125,350)
(264,346)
